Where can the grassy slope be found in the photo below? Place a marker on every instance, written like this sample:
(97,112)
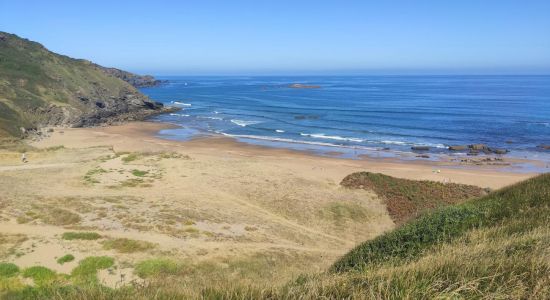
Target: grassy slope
(31,77)
(497,246)
(407,199)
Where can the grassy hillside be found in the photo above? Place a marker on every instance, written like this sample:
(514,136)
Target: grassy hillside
(497,246)
(407,199)
(39,87)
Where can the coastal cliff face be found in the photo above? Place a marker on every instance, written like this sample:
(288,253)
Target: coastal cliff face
(41,88)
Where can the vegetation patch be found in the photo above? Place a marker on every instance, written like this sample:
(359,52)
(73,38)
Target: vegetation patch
(65,259)
(8,269)
(90,175)
(157,267)
(80,235)
(86,271)
(40,275)
(60,217)
(139,173)
(407,199)
(125,245)
(131,157)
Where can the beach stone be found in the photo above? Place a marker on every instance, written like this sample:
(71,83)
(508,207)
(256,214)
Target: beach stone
(478,146)
(458,148)
(499,150)
(420,148)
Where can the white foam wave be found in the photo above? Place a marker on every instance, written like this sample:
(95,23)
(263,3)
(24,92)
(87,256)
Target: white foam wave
(332,137)
(274,139)
(180,103)
(211,118)
(244,123)
(401,143)
(279,130)
(179,115)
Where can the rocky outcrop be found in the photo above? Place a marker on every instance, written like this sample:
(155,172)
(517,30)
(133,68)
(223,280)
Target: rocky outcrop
(133,79)
(420,148)
(458,148)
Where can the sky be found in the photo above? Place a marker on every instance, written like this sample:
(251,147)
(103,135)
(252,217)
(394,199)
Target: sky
(238,37)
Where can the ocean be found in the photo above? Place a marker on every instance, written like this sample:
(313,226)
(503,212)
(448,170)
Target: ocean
(373,115)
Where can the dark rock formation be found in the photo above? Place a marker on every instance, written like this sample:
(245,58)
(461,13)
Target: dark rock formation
(458,148)
(420,148)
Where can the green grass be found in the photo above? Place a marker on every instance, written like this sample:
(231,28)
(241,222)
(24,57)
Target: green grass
(131,157)
(80,236)
(40,275)
(139,173)
(124,245)
(8,269)
(86,271)
(65,259)
(157,267)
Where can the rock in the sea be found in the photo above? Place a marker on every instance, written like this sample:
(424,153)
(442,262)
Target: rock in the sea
(478,146)
(458,148)
(498,150)
(544,146)
(420,148)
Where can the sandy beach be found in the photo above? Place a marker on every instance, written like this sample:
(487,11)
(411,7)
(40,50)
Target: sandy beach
(209,200)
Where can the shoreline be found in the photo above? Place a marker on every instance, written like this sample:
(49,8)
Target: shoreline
(143,136)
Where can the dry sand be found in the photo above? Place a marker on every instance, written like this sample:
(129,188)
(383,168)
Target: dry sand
(210,199)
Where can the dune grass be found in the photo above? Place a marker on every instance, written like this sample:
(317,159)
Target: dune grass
(71,235)
(124,245)
(8,269)
(86,271)
(65,259)
(39,274)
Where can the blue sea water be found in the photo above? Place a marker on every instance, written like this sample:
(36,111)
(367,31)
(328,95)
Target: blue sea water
(354,113)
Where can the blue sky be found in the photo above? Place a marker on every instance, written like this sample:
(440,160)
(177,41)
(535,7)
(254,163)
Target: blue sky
(293,37)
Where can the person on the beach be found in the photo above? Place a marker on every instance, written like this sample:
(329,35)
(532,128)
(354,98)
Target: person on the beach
(24,157)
